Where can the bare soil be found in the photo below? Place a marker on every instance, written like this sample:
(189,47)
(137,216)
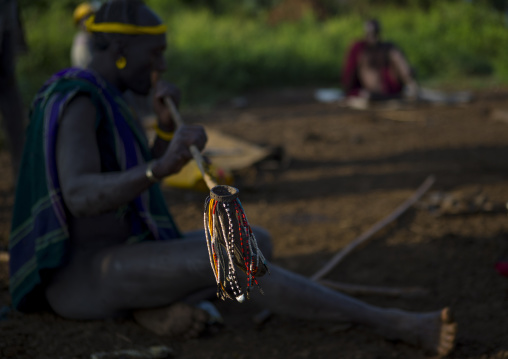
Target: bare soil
(347,170)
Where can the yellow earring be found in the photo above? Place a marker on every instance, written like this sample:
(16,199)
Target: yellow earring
(121,62)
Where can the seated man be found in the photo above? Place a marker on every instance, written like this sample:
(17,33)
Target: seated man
(92,236)
(377,70)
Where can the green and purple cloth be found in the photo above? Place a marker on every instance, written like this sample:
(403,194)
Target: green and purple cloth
(39,238)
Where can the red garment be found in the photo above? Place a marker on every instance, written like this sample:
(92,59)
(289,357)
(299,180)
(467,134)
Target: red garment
(351,80)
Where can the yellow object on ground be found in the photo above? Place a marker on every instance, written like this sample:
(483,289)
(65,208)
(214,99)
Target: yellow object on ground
(190,177)
(226,153)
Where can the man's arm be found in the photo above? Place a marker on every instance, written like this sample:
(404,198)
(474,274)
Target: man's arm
(164,119)
(87,191)
(350,66)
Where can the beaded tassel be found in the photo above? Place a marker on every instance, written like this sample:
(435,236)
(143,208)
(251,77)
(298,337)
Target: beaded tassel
(231,244)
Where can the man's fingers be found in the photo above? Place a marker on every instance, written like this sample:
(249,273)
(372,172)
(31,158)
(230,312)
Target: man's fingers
(191,135)
(165,89)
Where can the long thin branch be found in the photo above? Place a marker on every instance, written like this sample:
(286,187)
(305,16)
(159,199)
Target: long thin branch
(356,289)
(376,227)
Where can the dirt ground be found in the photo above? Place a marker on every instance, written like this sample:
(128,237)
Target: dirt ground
(347,170)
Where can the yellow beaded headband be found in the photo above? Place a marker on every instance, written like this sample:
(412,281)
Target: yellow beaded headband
(127,29)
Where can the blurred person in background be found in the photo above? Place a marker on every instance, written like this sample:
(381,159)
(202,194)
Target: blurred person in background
(12,43)
(377,70)
(81,50)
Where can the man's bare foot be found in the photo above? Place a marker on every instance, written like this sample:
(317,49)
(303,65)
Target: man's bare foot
(177,320)
(442,340)
(434,332)
(357,102)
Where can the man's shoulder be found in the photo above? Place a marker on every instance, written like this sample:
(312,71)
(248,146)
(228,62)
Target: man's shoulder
(70,80)
(67,89)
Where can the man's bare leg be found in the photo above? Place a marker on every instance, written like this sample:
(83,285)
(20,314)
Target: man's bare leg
(156,274)
(293,295)
(159,282)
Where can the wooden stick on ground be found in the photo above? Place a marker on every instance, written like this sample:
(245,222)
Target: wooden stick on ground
(375,228)
(262,316)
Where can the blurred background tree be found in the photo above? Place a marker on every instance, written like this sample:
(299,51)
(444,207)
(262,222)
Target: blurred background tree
(221,48)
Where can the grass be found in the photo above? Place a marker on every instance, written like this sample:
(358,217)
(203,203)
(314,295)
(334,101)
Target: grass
(49,36)
(212,57)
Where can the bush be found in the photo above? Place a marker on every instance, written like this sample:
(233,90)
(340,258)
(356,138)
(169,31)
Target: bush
(49,36)
(212,56)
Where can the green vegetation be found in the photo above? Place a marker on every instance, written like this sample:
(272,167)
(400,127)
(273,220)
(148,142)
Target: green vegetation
(215,54)
(49,34)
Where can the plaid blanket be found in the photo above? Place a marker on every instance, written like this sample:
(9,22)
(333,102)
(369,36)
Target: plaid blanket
(39,232)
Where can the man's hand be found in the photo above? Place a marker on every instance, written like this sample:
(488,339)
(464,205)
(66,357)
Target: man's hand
(178,153)
(165,89)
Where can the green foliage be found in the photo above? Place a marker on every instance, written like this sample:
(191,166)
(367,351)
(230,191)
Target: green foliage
(211,56)
(219,56)
(49,39)
(217,6)
(450,40)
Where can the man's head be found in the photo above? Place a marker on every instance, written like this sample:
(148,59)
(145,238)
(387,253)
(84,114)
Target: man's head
(372,31)
(130,40)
